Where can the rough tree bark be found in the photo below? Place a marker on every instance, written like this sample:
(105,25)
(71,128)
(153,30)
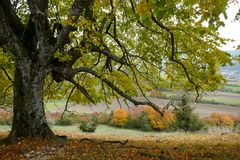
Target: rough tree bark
(29,118)
(32,52)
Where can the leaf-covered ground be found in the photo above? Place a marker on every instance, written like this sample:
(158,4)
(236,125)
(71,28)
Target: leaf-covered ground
(103,147)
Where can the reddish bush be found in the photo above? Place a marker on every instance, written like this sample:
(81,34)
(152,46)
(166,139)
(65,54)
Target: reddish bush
(53,115)
(103,118)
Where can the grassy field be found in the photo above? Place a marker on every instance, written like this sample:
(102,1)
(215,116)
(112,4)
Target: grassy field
(227,98)
(221,100)
(104,130)
(108,130)
(235,88)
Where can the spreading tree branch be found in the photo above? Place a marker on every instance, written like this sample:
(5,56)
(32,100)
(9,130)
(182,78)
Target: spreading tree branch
(172,58)
(7,36)
(11,17)
(106,51)
(82,90)
(39,18)
(75,54)
(116,89)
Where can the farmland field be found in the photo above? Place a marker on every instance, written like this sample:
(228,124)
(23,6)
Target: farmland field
(203,109)
(232,87)
(226,98)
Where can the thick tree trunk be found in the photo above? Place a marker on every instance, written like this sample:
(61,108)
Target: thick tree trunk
(29,118)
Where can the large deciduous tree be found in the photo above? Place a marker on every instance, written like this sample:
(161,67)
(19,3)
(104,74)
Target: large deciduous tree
(99,49)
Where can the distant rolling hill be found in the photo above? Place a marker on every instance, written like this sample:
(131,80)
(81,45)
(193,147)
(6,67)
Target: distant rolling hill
(232,72)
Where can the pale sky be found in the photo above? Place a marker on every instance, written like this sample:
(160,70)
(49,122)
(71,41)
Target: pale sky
(232,28)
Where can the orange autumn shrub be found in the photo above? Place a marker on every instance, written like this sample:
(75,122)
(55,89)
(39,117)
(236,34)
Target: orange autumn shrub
(157,121)
(120,117)
(221,120)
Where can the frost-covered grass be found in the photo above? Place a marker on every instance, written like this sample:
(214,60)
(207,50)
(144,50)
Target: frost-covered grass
(108,130)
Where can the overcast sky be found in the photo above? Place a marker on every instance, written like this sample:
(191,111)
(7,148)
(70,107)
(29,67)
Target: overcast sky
(232,28)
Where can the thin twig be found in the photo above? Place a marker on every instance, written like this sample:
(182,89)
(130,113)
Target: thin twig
(6,73)
(66,105)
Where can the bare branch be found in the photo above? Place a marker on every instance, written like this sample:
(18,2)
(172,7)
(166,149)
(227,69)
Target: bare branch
(66,105)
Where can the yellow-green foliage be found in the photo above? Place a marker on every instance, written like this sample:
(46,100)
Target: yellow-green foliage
(221,120)
(123,82)
(157,121)
(120,117)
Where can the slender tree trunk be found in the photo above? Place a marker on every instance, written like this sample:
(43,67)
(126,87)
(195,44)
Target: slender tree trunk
(29,118)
